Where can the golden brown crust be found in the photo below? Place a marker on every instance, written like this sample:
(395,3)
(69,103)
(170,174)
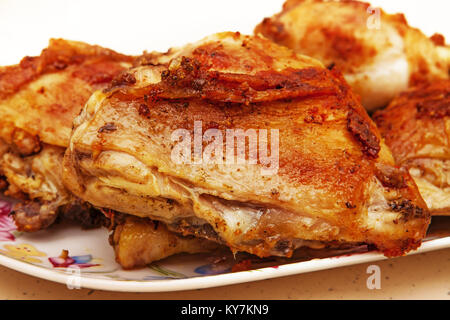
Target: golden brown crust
(417,118)
(96,65)
(378,61)
(39,98)
(197,77)
(416,127)
(329,149)
(42,95)
(348,41)
(345,47)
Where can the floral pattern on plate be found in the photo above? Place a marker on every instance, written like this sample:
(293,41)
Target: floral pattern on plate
(89,253)
(66,261)
(23,251)
(7,226)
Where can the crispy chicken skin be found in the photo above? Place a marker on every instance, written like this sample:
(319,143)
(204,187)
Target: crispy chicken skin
(416,126)
(42,95)
(39,98)
(336,180)
(138,242)
(378,59)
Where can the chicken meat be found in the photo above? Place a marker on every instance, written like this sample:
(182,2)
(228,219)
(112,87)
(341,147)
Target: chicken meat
(39,98)
(379,54)
(416,127)
(302,163)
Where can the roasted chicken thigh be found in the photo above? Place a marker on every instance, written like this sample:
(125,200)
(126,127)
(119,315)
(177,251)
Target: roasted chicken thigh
(315,171)
(38,101)
(379,54)
(416,126)
(39,98)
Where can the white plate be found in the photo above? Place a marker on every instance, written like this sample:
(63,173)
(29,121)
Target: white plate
(91,261)
(147,28)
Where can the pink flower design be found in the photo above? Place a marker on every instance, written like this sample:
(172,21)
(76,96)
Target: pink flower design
(65,261)
(6,222)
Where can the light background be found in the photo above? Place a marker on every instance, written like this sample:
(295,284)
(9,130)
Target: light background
(132,26)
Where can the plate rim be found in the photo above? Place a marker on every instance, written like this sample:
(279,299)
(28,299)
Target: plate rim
(210,281)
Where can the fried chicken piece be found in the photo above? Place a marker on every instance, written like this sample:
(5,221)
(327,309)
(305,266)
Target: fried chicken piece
(416,126)
(137,242)
(38,101)
(39,98)
(331,179)
(42,95)
(379,54)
